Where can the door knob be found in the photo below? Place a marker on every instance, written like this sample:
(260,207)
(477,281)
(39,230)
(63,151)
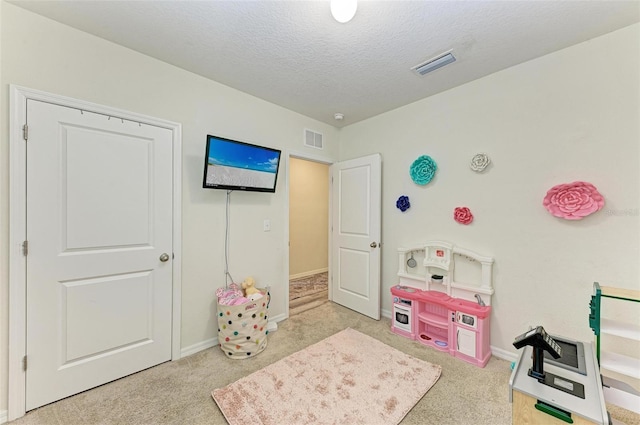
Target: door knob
(373,244)
(164,257)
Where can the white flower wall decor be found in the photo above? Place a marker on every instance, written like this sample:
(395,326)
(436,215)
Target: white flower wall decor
(480,162)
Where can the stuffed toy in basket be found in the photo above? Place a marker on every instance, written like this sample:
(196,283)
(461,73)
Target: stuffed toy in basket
(242,321)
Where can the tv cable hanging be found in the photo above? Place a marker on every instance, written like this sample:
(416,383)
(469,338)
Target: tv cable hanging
(227,275)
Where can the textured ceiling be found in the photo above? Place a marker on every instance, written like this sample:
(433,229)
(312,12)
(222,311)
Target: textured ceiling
(293,54)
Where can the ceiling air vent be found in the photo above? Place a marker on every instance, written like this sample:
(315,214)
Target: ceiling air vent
(312,139)
(434,63)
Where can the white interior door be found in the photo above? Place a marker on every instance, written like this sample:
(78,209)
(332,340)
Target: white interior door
(356,206)
(99,218)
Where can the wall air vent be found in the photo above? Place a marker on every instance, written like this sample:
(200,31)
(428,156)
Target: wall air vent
(434,63)
(312,139)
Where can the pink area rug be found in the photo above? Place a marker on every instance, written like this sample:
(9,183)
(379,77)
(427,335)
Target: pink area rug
(348,378)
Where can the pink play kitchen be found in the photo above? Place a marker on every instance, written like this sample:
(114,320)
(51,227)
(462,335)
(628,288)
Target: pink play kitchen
(443,300)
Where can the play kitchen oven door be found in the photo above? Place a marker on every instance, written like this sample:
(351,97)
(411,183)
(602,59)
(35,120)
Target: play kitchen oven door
(402,314)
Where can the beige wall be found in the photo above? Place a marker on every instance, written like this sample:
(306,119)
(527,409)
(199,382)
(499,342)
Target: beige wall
(571,115)
(45,55)
(308,217)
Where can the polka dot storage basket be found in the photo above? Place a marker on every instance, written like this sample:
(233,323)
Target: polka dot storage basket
(242,329)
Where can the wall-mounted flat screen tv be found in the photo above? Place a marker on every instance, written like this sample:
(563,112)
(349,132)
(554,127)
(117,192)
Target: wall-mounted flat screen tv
(234,165)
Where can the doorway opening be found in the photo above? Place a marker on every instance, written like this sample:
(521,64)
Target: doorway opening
(308,234)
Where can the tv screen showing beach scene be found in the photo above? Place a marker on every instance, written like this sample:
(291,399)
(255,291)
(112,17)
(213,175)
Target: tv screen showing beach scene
(234,165)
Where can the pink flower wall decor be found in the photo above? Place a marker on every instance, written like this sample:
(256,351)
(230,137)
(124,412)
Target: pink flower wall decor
(462,215)
(573,201)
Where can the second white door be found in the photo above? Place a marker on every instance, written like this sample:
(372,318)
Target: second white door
(356,233)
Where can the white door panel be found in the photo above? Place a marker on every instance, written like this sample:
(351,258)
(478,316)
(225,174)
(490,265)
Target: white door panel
(354,272)
(118,308)
(108,179)
(356,194)
(355,217)
(99,215)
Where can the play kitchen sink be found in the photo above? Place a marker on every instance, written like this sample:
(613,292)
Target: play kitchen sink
(470,307)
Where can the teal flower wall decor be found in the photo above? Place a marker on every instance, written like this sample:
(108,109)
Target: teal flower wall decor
(423,169)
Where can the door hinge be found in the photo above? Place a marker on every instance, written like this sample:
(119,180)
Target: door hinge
(25,248)
(25,132)
(24,363)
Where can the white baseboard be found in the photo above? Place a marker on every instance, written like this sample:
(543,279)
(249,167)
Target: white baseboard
(621,394)
(272,326)
(203,345)
(273,323)
(3,416)
(503,354)
(309,273)
(278,318)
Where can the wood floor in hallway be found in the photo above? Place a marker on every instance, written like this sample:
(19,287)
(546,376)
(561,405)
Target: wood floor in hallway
(308,292)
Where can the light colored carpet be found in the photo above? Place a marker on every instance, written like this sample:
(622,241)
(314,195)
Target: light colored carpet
(179,393)
(348,378)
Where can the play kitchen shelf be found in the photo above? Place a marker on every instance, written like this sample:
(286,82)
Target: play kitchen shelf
(444,267)
(616,392)
(433,319)
(432,307)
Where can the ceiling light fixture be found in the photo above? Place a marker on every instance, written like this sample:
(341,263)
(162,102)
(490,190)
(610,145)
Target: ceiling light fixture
(338,116)
(343,10)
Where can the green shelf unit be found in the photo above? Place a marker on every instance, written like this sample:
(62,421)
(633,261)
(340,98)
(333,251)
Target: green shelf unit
(617,391)
(595,307)
(594,315)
